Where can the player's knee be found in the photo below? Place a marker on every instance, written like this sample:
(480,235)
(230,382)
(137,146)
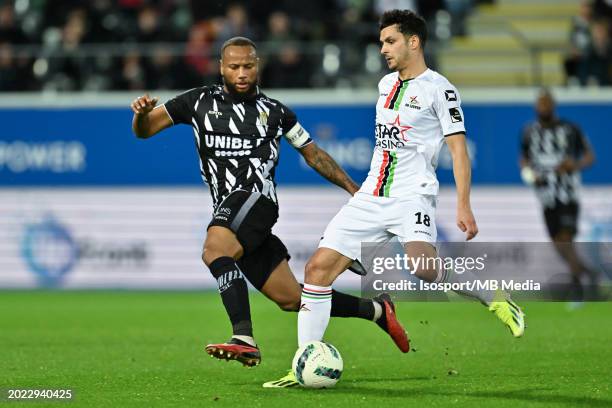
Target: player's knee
(210,254)
(315,273)
(426,274)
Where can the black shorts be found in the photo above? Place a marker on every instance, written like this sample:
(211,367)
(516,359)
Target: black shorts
(562,217)
(251,217)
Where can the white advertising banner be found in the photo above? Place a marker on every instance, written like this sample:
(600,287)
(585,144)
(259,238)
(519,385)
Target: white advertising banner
(152,238)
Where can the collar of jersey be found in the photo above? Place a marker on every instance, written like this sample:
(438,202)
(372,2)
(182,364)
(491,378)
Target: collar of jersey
(555,122)
(412,79)
(219,93)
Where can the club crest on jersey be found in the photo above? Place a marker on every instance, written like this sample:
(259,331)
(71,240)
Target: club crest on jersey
(413,103)
(263,118)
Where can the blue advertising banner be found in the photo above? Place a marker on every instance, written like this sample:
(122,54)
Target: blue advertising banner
(95,146)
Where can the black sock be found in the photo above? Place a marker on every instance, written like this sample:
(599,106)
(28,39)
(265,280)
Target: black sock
(344,305)
(234,293)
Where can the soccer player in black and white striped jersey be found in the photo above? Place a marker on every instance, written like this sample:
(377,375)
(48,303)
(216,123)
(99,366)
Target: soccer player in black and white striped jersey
(553,152)
(237,132)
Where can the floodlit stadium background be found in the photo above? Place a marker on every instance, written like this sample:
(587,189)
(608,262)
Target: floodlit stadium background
(84,204)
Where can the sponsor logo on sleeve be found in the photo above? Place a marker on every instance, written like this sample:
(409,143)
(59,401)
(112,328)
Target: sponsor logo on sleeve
(414,103)
(455,115)
(450,95)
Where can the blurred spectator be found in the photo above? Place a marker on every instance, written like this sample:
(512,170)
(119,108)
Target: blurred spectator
(15,68)
(131,75)
(589,58)
(174,43)
(285,65)
(594,68)
(314,20)
(9,31)
(459,10)
(235,23)
(580,40)
(200,56)
(106,24)
(68,71)
(165,71)
(9,74)
(150,27)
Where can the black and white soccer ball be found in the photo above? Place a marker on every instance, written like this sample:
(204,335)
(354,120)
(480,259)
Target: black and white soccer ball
(317,365)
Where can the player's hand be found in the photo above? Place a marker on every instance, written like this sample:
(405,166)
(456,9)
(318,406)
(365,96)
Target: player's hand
(567,166)
(143,104)
(467,223)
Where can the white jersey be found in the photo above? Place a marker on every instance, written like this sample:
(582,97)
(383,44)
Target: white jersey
(412,118)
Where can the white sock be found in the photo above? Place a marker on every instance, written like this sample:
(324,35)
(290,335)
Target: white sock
(315,309)
(246,339)
(377,310)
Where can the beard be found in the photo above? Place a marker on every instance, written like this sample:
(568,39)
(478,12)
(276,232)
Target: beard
(240,95)
(546,117)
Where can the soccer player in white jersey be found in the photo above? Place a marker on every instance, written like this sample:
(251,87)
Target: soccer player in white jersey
(417,111)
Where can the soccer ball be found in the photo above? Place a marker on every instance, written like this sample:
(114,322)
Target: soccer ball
(317,365)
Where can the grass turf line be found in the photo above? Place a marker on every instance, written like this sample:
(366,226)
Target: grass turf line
(129,349)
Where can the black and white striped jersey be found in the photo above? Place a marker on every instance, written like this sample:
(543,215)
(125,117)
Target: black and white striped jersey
(238,141)
(545,148)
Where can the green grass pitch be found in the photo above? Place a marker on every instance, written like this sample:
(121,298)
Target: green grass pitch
(124,349)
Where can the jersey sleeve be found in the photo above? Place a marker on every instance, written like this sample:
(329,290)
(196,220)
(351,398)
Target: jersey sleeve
(295,134)
(181,108)
(288,120)
(447,106)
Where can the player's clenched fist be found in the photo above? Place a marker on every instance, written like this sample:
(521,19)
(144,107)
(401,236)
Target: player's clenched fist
(144,104)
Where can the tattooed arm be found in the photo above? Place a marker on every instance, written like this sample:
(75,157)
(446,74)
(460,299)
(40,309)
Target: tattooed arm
(322,162)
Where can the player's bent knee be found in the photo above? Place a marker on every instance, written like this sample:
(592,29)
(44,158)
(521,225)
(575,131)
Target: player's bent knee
(214,250)
(206,257)
(210,254)
(315,273)
(426,274)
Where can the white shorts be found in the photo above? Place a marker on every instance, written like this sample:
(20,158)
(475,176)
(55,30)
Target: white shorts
(367,218)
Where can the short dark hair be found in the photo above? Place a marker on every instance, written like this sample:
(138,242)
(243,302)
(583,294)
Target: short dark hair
(238,41)
(545,92)
(408,23)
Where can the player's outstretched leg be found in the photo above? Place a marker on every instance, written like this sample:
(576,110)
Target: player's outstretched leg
(381,310)
(220,250)
(241,347)
(283,289)
(235,349)
(322,269)
(389,323)
(498,302)
(509,313)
